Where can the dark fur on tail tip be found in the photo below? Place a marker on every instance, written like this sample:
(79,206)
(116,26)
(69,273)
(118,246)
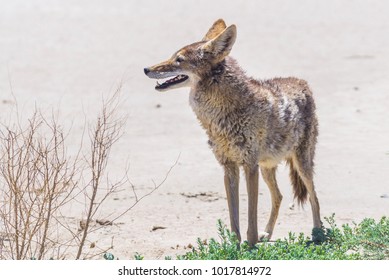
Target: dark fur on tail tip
(299,189)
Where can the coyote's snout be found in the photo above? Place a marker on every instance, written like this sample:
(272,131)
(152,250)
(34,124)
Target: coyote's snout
(250,123)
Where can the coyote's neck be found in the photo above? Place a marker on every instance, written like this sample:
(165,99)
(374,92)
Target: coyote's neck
(223,89)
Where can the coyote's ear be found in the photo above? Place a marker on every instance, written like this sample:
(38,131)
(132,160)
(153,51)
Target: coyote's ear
(215,30)
(221,46)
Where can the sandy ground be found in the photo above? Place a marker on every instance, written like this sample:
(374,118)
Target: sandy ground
(67,54)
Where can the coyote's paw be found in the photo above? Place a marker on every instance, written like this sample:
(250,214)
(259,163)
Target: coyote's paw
(262,236)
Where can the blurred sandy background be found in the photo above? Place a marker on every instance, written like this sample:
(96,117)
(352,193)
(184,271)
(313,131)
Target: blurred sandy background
(67,55)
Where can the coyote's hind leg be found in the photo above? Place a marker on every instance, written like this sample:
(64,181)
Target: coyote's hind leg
(269,176)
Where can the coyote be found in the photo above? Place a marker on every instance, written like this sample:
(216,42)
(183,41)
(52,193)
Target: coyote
(250,123)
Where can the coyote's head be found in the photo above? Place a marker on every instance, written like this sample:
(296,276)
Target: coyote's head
(191,63)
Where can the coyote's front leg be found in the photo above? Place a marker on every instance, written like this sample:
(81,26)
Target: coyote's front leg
(231,182)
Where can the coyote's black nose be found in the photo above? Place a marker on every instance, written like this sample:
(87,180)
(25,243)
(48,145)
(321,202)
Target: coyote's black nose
(146,70)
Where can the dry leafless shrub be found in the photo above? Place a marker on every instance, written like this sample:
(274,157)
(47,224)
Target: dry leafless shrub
(36,180)
(39,181)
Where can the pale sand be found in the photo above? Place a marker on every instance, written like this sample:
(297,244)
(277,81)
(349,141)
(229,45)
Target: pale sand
(66,54)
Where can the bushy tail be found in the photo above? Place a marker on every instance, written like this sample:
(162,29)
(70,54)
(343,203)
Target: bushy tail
(299,188)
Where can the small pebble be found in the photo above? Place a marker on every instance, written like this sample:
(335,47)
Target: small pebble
(104,222)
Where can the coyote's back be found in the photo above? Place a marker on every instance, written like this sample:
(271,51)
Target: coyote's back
(250,123)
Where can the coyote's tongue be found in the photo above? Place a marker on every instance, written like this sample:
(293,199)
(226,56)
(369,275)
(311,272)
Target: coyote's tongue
(173,81)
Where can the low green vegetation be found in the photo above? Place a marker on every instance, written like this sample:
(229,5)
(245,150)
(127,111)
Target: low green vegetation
(368,240)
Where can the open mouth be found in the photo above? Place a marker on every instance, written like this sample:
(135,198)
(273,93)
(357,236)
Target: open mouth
(173,81)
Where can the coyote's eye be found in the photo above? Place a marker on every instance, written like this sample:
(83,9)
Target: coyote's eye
(179,59)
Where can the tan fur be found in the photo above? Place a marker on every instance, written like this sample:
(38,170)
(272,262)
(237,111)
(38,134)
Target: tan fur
(215,30)
(250,123)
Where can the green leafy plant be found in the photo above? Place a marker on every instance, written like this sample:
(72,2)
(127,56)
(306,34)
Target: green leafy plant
(108,256)
(138,256)
(367,240)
